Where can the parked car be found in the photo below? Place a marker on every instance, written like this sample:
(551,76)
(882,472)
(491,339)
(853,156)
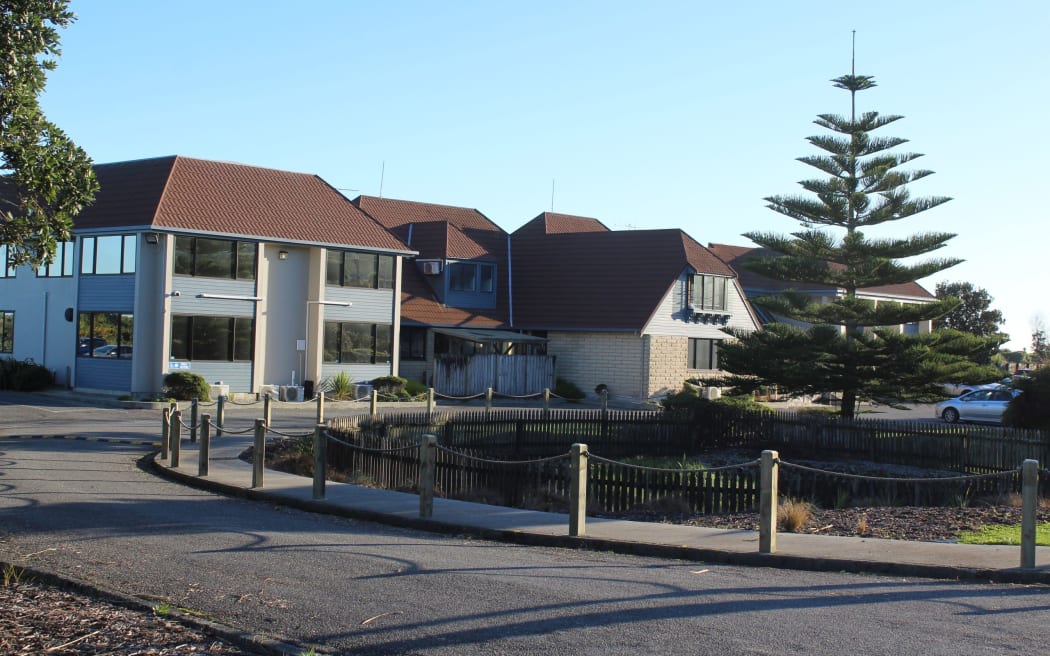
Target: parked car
(112,351)
(86,345)
(985,405)
(956,389)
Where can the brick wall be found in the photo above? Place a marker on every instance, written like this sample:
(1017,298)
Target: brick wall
(587,359)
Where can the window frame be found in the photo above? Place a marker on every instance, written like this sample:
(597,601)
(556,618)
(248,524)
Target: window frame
(7,336)
(64,260)
(479,283)
(380,272)
(6,270)
(123,327)
(237,250)
(125,259)
(698,292)
(376,333)
(239,343)
(698,356)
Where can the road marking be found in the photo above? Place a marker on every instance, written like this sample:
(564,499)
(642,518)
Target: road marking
(81,438)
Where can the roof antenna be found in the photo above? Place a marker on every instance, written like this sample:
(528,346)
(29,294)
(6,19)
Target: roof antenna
(382,174)
(552,194)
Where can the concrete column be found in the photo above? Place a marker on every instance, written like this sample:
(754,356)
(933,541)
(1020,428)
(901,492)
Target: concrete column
(767,511)
(578,490)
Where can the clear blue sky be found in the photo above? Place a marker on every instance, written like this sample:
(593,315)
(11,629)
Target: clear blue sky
(647,115)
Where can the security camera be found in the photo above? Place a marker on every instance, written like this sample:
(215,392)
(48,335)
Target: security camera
(176,293)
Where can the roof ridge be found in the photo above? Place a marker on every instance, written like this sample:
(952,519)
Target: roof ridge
(164,190)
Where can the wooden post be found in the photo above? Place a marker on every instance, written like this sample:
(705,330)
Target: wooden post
(374,404)
(165,427)
(267,409)
(578,490)
(430,402)
(1029,502)
(220,414)
(488,401)
(769,496)
(605,403)
(320,459)
(320,408)
(204,451)
(546,401)
(259,453)
(175,434)
(427,466)
(193,420)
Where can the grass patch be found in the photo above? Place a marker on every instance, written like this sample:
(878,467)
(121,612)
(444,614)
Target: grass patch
(1010,535)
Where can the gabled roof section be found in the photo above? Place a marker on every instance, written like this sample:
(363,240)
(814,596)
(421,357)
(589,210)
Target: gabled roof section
(753,283)
(443,232)
(550,223)
(609,280)
(203,196)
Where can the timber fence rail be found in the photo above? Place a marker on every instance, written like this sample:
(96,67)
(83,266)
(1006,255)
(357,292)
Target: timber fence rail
(589,482)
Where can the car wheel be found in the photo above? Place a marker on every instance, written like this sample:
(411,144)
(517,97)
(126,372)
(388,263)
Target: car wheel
(950,415)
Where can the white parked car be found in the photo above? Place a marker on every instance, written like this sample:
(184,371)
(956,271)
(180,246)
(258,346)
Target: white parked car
(985,405)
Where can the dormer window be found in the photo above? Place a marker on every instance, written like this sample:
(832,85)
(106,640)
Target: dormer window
(472,277)
(708,293)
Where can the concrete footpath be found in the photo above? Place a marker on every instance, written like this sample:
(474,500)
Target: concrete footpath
(230,475)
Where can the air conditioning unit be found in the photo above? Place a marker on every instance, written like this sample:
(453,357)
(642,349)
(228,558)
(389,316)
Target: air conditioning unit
(431,267)
(291,393)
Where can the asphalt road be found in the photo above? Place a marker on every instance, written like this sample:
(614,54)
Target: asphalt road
(87,510)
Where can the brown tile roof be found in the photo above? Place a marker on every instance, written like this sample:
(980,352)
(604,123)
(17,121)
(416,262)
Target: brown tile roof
(186,194)
(419,305)
(443,232)
(550,223)
(610,280)
(756,284)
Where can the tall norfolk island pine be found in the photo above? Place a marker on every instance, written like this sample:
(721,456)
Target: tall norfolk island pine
(846,350)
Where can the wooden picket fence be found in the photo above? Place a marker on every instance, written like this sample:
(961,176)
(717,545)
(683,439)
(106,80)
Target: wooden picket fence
(473,444)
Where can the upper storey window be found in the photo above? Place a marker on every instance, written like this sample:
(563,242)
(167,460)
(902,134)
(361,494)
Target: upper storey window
(214,258)
(708,292)
(354,269)
(472,277)
(109,254)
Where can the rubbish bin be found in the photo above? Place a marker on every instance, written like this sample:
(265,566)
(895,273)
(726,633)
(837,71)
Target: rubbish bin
(308,390)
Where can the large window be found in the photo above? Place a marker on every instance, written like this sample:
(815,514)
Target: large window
(7,332)
(62,265)
(6,270)
(472,277)
(214,258)
(366,343)
(221,339)
(105,335)
(703,353)
(108,255)
(709,292)
(413,343)
(354,269)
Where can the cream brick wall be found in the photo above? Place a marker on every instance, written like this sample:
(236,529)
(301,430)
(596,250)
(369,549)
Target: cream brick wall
(588,359)
(666,360)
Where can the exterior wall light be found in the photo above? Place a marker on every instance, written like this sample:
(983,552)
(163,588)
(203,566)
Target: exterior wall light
(282,255)
(152,238)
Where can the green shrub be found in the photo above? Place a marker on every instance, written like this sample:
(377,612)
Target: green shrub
(1030,408)
(568,390)
(389,384)
(23,375)
(689,398)
(340,386)
(186,386)
(415,388)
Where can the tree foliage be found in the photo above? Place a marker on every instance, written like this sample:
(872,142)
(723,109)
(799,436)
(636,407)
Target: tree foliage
(846,350)
(1030,408)
(47,179)
(973,314)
